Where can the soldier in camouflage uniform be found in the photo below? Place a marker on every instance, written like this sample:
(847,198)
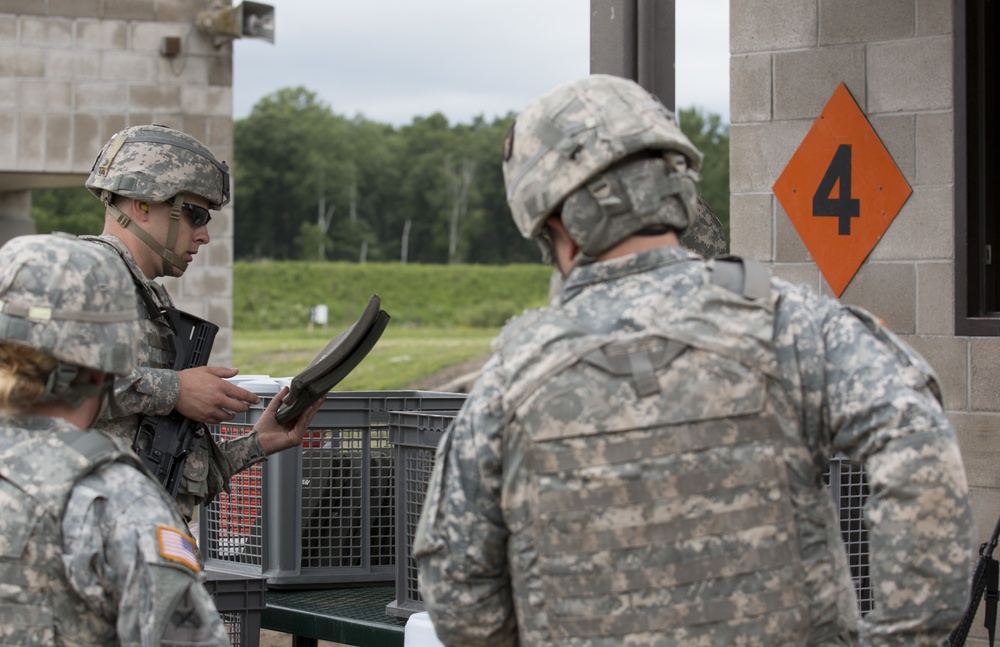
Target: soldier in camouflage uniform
(92,550)
(158,185)
(642,462)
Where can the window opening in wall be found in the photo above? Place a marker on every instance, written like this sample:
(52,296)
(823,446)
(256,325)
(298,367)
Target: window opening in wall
(977,168)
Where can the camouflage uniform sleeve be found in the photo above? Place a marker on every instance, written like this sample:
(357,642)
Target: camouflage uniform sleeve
(461,540)
(231,457)
(242,452)
(880,402)
(128,556)
(151,391)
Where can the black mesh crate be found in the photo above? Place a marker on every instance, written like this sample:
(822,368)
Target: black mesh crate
(324,513)
(240,601)
(415,436)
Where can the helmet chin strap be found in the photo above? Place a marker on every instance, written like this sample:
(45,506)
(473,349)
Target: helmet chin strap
(61,385)
(169,258)
(175,223)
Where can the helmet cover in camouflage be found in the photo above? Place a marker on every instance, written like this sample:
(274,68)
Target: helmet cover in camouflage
(156,163)
(633,195)
(570,135)
(705,235)
(66,298)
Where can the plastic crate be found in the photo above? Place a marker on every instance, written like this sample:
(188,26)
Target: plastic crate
(849,488)
(240,601)
(416,436)
(321,514)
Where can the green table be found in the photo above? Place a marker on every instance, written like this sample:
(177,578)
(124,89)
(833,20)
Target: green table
(354,616)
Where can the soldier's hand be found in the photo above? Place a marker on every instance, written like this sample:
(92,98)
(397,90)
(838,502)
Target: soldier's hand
(207,397)
(273,436)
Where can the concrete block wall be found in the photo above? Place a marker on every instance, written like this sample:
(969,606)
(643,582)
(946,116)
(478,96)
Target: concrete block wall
(74,72)
(895,57)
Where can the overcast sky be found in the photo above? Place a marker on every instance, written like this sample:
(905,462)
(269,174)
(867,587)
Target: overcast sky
(393,60)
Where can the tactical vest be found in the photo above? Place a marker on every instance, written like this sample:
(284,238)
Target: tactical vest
(652,502)
(157,352)
(38,470)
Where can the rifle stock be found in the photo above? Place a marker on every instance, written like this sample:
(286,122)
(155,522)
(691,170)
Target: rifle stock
(985,576)
(164,442)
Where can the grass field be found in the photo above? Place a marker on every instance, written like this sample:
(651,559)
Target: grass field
(441,315)
(402,357)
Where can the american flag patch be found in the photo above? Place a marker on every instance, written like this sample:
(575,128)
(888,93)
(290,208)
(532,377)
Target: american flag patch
(178,547)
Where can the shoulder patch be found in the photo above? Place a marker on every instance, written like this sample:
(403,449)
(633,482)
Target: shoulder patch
(175,546)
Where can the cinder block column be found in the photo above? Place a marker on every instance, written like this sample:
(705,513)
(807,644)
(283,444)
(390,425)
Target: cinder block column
(15,215)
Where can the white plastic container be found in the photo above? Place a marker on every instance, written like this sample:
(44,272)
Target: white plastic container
(419,632)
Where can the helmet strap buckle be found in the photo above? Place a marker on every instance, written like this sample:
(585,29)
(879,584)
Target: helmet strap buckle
(59,382)
(608,196)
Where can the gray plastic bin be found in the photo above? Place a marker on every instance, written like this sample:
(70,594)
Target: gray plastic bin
(416,436)
(240,601)
(324,513)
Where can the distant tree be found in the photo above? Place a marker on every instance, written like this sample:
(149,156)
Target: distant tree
(711,136)
(424,190)
(290,158)
(490,236)
(460,177)
(427,192)
(74,210)
(306,247)
(373,214)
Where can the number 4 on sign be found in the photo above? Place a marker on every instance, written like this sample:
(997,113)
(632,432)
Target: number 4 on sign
(843,207)
(841,190)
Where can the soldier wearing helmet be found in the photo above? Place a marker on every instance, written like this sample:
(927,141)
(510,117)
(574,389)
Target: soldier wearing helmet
(158,186)
(92,549)
(84,559)
(642,461)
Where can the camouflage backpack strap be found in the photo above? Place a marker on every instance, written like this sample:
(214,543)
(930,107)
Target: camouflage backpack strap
(99,448)
(47,470)
(742,276)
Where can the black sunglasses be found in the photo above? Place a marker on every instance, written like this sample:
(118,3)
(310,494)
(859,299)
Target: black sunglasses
(200,216)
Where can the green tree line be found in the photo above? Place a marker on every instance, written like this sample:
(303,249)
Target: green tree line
(310,184)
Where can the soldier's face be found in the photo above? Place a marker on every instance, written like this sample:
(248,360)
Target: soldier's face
(190,237)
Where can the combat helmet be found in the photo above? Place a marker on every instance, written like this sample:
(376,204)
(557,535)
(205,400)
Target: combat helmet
(70,300)
(158,164)
(605,152)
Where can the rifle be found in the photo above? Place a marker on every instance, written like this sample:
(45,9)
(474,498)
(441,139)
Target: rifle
(164,442)
(985,577)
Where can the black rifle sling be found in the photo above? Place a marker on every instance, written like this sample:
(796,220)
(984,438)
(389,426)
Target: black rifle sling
(985,579)
(991,592)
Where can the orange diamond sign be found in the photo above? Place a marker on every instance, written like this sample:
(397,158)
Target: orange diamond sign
(841,189)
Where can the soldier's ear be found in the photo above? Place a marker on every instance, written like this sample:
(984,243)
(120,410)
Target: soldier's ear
(140,209)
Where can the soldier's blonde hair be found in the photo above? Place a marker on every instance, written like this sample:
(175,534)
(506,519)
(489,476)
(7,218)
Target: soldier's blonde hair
(23,374)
